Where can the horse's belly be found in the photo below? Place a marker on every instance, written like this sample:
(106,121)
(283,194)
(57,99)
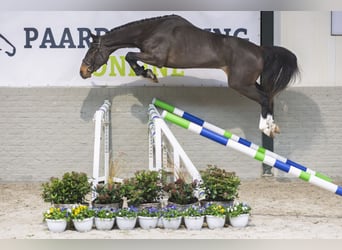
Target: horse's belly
(189,61)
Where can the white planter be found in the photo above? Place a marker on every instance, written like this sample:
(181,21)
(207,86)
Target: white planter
(56,226)
(239,221)
(160,223)
(215,221)
(84,225)
(106,206)
(171,223)
(148,222)
(194,223)
(126,223)
(104,223)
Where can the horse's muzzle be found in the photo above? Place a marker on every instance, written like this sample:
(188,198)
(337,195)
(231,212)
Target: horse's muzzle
(84,72)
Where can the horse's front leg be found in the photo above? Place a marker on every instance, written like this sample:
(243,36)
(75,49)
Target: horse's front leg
(132,58)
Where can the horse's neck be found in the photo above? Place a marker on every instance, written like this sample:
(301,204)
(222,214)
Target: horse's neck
(133,34)
(123,37)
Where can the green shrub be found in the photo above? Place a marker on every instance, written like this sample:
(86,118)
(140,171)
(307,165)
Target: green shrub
(71,189)
(107,193)
(219,185)
(144,187)
(181,192)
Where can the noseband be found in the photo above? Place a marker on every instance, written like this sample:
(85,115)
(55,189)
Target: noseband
(97,46)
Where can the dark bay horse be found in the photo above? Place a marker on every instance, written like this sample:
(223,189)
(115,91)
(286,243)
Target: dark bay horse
(171,41)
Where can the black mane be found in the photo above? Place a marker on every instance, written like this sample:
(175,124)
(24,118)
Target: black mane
(142,21)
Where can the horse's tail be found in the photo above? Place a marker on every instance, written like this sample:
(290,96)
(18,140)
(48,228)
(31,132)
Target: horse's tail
(280,67)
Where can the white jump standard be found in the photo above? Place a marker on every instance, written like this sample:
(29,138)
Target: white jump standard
(252,152)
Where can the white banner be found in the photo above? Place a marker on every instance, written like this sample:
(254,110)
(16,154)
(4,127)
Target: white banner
(45,48)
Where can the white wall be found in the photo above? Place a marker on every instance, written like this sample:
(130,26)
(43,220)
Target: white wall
(307,34)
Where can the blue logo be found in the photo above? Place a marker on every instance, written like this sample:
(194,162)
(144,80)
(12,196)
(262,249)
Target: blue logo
(6,46)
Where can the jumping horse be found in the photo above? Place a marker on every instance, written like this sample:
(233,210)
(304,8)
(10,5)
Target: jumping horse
(172,41)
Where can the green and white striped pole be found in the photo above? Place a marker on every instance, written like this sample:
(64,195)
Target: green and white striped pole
(229,135)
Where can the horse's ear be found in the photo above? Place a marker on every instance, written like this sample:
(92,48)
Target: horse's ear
(93,36)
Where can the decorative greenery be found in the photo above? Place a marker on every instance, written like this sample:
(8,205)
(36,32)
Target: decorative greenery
(107,193)
(105,213)
(149,212)
(81,212)
(128,189)
(193,211)
(215,209)
(149,183)
(144,187)
(219,185)
(71,189)
(130,212)
(171,211)
(181,192)
(238,208)
(57,214)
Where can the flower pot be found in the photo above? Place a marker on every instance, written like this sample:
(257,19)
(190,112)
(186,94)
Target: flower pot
(172,223)
(56,226)
(68,205)
(147,205)
(84,225)
(194,223)
(239,221)
(126,223)
(183,206)
(106,206)
(222,203)
(148,222)
(104,223)
(215,221)
(160,223)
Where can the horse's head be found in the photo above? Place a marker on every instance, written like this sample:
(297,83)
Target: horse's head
(96,56)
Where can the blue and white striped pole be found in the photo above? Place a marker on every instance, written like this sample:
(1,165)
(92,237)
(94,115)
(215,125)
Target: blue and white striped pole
(252,152)
(227,134)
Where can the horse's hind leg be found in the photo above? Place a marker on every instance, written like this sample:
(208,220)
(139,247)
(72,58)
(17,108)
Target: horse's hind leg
(266,123)
(256,93)
(133,57)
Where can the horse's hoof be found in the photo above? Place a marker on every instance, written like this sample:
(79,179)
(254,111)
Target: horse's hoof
(277,129)
(155,79)
(272,134)
(267,131)
(149,74)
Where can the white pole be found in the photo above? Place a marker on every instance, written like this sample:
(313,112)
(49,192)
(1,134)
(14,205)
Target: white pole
(101,118)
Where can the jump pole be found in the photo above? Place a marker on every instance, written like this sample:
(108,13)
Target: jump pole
(251,152)
(229,135)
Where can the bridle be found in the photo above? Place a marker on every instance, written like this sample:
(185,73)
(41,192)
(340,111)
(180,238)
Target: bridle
(97,46)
